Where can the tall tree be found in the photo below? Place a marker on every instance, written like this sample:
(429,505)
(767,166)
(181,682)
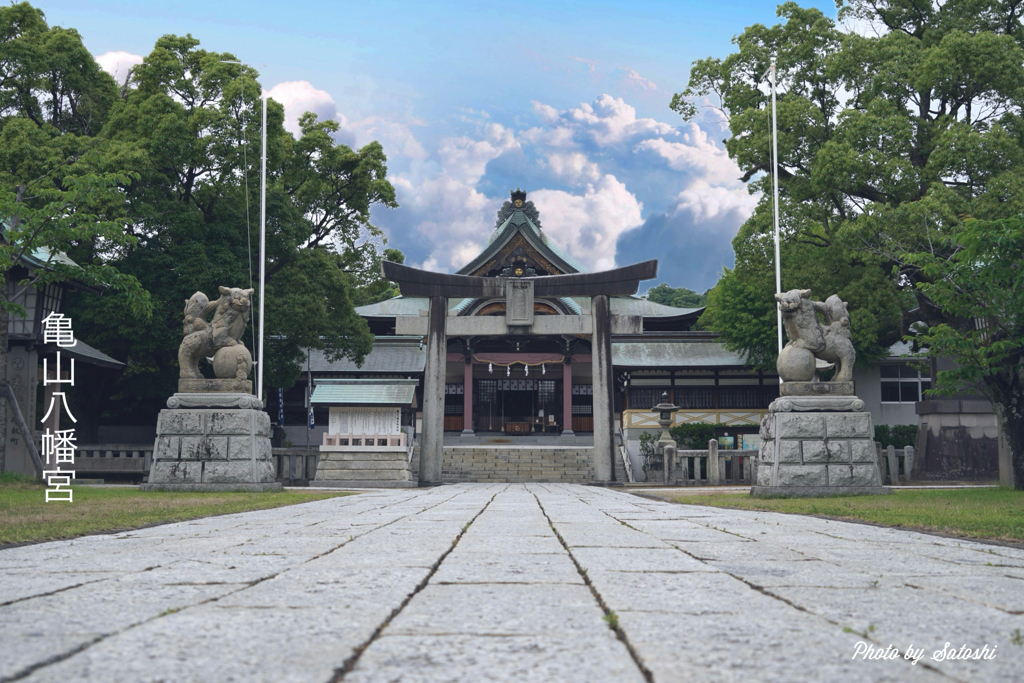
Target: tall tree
(54,195)
(975,280)
(188,126)
(680,297)
(885,141)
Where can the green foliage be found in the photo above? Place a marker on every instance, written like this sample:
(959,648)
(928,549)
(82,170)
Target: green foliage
(647,441)
(693,435)
(974,278)
(55,193)
(996,513)
(897,436)
(179,149)
(884,143)
(680,297)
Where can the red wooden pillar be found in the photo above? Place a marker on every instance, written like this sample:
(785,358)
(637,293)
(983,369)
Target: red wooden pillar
(567,397)
(467,398)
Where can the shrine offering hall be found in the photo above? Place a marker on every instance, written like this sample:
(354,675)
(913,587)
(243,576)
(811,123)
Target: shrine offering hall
(520,367)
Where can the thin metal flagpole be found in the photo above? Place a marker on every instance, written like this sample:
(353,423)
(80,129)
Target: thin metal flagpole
(263,252)
(775,185)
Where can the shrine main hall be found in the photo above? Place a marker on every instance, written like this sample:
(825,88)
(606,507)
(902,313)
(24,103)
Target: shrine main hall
(520,367)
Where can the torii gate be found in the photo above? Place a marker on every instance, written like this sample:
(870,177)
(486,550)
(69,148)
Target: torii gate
(519,319)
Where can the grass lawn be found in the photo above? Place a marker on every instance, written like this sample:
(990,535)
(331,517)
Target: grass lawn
(990,513)
(25,516)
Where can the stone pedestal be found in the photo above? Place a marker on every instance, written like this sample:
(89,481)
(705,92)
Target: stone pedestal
(212,442)
(817,446)
(206,386)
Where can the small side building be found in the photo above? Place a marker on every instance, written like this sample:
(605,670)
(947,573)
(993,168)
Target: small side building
(365,444)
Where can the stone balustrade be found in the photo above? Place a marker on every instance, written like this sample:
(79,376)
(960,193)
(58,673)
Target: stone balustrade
(895,460)
(365,440)
(114,458)
(295,466)
(713,467)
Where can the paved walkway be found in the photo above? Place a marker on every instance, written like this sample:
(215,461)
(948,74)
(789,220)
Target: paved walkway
(507,583)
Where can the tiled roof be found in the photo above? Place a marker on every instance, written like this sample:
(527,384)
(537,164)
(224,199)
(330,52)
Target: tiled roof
(648,309)
(673,354)
(84,353)
(377,392)
(520,222)
(390,355)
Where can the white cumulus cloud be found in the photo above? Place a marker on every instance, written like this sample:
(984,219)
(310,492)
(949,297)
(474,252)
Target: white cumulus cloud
(396,136)
(466,159)
(572,166)
(588,226)
(611,121)
(299,97)
(707,202)
(449,215)
(634,80)
(698,154)
(118,63)
(547,113)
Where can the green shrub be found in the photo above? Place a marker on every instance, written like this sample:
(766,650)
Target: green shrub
(16,478)
(898,436)
(693,435)
(647,441)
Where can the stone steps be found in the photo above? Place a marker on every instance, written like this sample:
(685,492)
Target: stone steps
(359,469)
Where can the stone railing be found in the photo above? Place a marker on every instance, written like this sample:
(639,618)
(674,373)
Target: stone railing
(114,458)
(620,442)
(365,440)
(295,466)
(713,467)
(895,460)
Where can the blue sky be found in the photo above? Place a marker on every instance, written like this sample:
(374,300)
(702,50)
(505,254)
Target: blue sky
(568,100)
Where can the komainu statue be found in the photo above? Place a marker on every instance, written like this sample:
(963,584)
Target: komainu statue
(219,337)
(810,338)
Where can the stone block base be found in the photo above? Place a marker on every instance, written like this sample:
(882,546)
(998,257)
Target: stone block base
(816,452)
(487,464)
(817,491)
(343,467)
(216,488)
(205,447)
(363,484)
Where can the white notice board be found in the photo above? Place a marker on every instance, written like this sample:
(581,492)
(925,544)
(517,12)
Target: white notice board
(365,421)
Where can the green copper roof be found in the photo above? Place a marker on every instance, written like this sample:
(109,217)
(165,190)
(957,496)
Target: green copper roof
(86,354)
(400,305)
(672,354)
(519,222)
(390,355)
(364,392)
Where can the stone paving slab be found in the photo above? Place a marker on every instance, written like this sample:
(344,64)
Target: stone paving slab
(506,582)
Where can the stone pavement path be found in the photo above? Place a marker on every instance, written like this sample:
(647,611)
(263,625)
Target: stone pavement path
(506,583)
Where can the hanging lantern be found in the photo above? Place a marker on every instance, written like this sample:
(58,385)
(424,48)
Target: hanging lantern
(543,369)
(490,368)
(527,370)
(508,370)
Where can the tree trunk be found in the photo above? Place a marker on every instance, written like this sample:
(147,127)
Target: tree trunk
(1009,409)
(1014,433)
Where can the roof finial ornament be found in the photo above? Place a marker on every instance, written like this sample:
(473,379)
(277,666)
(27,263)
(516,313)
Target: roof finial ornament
(517,203)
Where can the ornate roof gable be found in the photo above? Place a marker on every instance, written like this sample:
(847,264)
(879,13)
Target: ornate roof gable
(518,247)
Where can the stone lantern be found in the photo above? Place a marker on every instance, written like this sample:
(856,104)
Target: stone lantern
(665,410)
(666,446)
